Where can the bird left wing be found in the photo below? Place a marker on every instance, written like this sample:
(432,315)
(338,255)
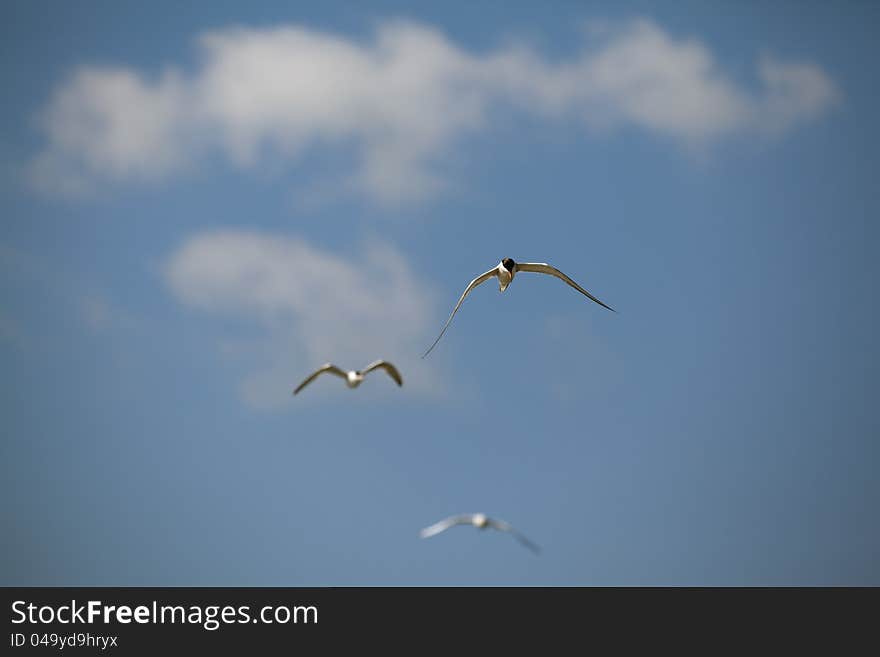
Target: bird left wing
(500,525)
(445,524)
(388,367)
(329,367)
(482,278)
(544,268)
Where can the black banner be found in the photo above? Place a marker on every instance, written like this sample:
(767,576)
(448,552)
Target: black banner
(125,621)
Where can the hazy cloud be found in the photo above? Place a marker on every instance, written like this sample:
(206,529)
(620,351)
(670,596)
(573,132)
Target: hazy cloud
(10,330)
(312,305)
(398,102)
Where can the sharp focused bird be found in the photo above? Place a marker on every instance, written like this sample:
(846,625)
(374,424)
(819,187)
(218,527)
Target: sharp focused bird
(353,378)
(480,521)
(505,271)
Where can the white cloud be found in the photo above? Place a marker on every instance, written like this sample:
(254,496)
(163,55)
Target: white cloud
(398,102)
(312,305)
(111,124)
(795,93)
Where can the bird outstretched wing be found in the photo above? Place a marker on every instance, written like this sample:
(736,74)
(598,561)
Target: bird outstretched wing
(482,278)
(329,367)
(503,526)
(544,268)
(445,524)
(388,367)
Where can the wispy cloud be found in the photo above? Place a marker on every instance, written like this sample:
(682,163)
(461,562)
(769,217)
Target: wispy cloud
(101,315)
(398,103)
(10,331)
(313,306)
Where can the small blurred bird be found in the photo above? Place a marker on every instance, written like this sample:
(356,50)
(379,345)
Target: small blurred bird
(480,521)
(353,378)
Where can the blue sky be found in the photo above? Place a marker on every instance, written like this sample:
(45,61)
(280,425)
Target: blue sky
(201,204)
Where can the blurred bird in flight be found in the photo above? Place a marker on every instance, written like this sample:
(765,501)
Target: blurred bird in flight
(480,521)
(353,378)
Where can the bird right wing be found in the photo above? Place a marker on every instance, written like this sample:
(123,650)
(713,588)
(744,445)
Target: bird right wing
(445,524)
(482,278)
(544,268)
(507,527)
(329,367)
(388,367)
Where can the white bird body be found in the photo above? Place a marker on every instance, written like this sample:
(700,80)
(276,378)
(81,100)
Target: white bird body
(505,272)
(480,521)
(353,378)
(505,277)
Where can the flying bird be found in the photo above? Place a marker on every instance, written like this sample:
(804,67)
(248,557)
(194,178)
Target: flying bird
(480,521)
(505,271)
(353,378)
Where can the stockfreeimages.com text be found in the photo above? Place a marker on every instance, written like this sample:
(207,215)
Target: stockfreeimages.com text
(211,617)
